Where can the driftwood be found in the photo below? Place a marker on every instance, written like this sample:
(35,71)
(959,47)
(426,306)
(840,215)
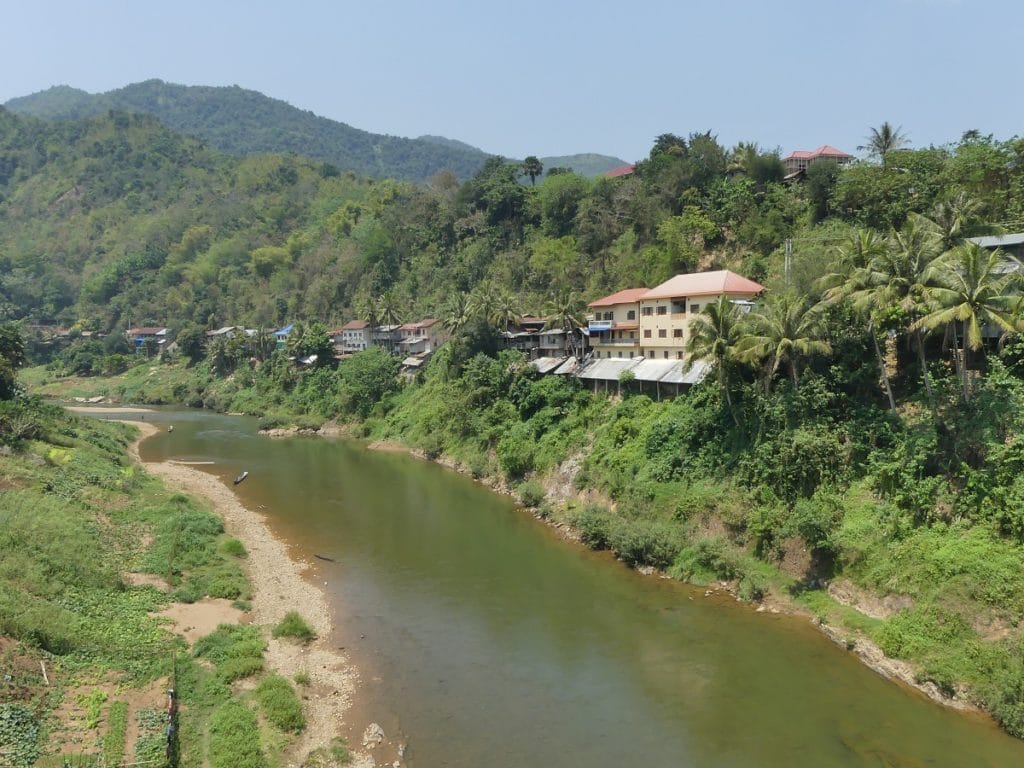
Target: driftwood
(324,557)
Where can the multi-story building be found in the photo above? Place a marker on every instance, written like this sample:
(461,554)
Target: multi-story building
(667,309)
(614,324)
(424,336)
(353,336)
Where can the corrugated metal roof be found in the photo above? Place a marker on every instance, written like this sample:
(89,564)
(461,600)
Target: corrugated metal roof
(679,375)
(604,369)
(567,368)
(999,241)
(654,370)
(547,364)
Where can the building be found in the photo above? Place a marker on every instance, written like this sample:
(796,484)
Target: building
(622,170)
(385,336)
(614,324)
(138,337)
(667,309)
(1011,245)
(281,336)
(800,160)
(353,336)
(423,336)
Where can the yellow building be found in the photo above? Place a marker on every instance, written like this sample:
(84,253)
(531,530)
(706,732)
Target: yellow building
(666,309)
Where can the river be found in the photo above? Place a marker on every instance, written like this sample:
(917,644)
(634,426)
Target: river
(483,639)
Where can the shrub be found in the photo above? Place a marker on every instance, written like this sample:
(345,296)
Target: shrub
(235,738)
(531,493)
(236,651)
(707,559)
(293,625)
(233,547)
(302,678)
(280,704)
(594,524)
(644,543)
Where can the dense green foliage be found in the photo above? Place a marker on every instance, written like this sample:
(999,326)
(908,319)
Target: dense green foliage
(293,625)
(235,738)
(280,704)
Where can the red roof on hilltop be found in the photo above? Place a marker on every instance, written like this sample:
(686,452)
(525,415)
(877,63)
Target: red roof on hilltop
(702,284)
(823,151)
(628,296)
(622,170)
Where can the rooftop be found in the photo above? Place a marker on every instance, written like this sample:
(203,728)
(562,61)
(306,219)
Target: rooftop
(823,151)
(622,170)
(355,325)
(999,241)
(627,296)
(703,284)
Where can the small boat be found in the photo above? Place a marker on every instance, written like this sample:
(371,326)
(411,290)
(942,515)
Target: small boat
(170,427)
(324,557)
(241,477)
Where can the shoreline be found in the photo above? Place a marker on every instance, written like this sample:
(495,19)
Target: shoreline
(279,583)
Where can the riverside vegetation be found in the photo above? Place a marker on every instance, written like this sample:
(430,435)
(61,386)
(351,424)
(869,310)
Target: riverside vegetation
(860,429)
(75,517)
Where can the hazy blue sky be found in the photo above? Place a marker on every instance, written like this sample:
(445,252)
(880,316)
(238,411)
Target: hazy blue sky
(554,77)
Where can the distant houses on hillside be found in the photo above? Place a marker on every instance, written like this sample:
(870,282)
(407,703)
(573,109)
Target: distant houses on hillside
(798,161)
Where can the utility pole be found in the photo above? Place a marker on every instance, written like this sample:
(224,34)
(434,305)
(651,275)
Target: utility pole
(788,263)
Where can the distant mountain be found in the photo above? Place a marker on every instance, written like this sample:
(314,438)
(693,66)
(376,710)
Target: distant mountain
(245,122)
(587,164)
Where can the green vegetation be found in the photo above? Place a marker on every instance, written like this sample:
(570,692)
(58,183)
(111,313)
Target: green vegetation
(235,738)
(280,704)
(117,727)
(293,625)
(235,650)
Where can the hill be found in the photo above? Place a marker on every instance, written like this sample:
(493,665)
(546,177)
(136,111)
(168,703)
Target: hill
(245,122)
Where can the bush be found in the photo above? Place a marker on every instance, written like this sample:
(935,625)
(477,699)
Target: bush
(233,547)
(640,542)
(235,738)
(707,559)
(531,493)
(594,524)
(113,742)
(280,704)
(293,625)
(235,650)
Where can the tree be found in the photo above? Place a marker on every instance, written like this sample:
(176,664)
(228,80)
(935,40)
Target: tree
(784,330)
(967,290)
(457,313)
(712,336)
(856,254)
(533,168)
(883,140)
(191,341)
(12,357)
(564,310)
(507,311)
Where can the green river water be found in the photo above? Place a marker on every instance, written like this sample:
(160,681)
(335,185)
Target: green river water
(482,639)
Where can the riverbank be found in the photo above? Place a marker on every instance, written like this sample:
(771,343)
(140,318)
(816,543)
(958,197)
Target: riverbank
(280,583)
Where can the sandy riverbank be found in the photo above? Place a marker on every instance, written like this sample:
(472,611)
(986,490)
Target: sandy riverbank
(279,585)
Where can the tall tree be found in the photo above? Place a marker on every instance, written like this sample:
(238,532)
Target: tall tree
(782,331)
(507,311)
(533,168)
(712,336)
(457,313)
(883,140)
(970,290)
(564,310)
(12,357)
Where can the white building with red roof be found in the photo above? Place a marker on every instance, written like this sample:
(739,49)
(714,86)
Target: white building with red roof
(353,336)
(801,159)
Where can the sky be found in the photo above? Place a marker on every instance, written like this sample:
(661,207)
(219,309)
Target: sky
(562,76)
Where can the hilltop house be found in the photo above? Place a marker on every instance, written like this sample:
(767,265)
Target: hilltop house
(800,160)
(353,336)
(138,337)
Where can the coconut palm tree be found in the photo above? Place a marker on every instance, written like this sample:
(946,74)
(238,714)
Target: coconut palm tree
(388,313)
(457,313)
(483,301)
(564,310)
(968,290)
(712,336)
(507,311)
(785,330)
(883,140)
(856,285)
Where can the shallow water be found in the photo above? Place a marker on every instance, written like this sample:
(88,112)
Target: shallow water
(484,640)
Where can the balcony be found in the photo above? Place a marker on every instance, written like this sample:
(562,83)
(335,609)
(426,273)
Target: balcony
(600,325)
(614,342)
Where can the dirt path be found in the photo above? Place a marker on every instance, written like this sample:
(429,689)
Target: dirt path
(278,586)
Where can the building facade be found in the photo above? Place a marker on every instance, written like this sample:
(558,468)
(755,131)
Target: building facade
(614,324)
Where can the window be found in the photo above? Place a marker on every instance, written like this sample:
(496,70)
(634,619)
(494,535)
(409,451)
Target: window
(662,309)
(632,334)
(677,333)
(631,315)
(620,354)
(665,353)
(662,333)
(651,354)
(695,308)
(679,355)
(647,311)
(647,333)
(678,307)
(609,315)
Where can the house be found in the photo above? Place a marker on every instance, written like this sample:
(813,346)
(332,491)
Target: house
(424,336)
(227,332)
(667,309)
(385,336)
(622,170)
(524,336)
(1011,245)
(281,336)
(353,336)
(800,160)
(614,324)
(138,337)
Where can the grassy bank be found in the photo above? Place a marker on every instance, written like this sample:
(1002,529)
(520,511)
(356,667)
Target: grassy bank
(903,533)
(91,551)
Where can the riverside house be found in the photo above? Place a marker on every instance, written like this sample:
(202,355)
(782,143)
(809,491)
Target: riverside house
(614,324)
(353,336)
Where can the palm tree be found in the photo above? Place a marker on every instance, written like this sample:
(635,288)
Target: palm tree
(713,335)
(388,311)
(507,311)
(483,301)
(564,309)
(957,217)
(457,313)
(861,249)
(968,291)
(782,331)
(883,140)
(742,158)
(533,168)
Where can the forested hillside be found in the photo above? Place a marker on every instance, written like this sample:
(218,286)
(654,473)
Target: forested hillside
(245,122)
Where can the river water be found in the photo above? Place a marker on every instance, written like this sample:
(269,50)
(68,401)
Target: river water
(483,639)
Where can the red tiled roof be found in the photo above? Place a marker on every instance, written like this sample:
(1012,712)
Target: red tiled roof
(355,325)
(622,170)
(824,150)
(628,296)
(702,284)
